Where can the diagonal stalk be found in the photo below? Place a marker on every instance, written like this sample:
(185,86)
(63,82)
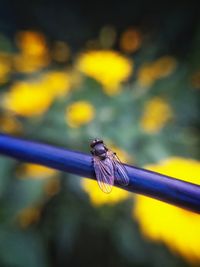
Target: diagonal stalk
(182,194)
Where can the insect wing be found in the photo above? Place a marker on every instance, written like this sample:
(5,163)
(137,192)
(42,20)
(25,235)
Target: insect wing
(119,169)
(104,173)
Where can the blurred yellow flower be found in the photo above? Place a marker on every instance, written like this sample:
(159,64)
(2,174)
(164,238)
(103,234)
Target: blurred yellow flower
(27,99)
(35,171)
(5,67)
(164,66)
(130,40)
(178,228)
(107,67)
(160,68)
(79,113)
(25,63)
(56,83)
(31,43)
(33,54)
(98,198)
(28,216)
(147,75)
(10,124)
(157,113)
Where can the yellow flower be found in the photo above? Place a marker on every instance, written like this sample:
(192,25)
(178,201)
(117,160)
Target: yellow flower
(27,99)
(147,75)
(33,51)
(164,66)
(27,64)
(107,67)
(98,198)
(130,40)
(178,228)
(79,113)
(30,98)
(56,83)
(35,171)
(160,68)
(31,43)
(10,124)
(157,113)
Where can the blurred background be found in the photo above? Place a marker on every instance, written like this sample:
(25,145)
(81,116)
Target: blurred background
(124,71)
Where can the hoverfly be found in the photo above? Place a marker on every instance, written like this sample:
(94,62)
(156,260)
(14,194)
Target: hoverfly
(107,166)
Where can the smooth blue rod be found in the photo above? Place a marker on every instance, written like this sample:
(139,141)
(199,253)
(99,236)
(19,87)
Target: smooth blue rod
(170,190)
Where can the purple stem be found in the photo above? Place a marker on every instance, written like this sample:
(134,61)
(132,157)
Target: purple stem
(182,194)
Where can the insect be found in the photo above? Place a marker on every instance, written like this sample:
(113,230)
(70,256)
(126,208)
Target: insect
(107,166)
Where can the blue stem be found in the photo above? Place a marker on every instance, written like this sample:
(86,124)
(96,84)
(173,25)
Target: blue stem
(155,185)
